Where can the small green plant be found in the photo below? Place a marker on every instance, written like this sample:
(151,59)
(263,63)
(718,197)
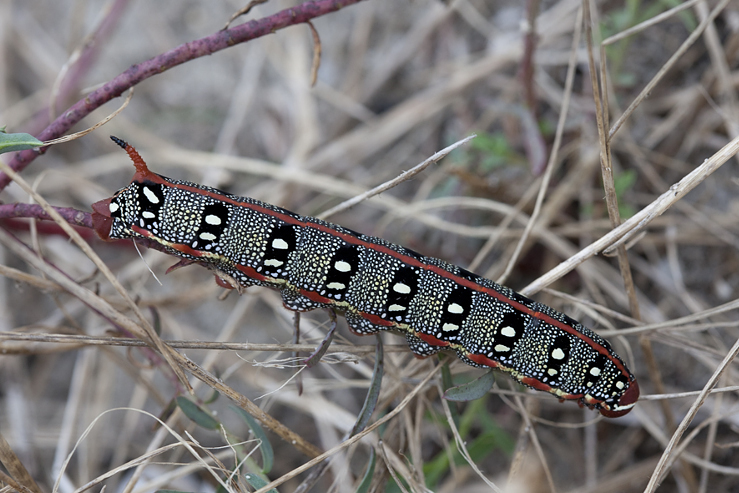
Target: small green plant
(624,182)
(634,12)
(198,413)
(17,142)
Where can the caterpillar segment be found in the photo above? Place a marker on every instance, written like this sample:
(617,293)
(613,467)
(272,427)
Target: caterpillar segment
(378,285)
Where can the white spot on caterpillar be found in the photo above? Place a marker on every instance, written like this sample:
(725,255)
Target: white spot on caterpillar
(273,262)
(552,372)
(449,327)
(508,331)
(207,236)
(336,285)
(396,308)
(595,371)
(501,348)
(151,196)
(113,207)
(280,244)
(455,308)
(558,354)
(213,219)
(342,266)
(620,385)
(401,288)
(148,215)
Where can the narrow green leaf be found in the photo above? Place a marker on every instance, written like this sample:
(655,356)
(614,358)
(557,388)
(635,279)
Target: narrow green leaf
(373,394)
(166,413)
(446,384)
(446,374)
(257,482)
(268,455)
(197,414)
(17,142)
(472,390)
(367,478)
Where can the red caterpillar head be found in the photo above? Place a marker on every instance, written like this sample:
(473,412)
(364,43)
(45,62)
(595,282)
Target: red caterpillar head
(101,218)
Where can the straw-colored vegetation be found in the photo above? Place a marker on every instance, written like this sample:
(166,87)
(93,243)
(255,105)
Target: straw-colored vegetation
(592,126)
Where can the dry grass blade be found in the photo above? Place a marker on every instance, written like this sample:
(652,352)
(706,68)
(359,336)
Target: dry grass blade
(405,175)
(666,67)
(459,442)
(82,133)
(649,22)
(641,219)
(19,477)
(669,455)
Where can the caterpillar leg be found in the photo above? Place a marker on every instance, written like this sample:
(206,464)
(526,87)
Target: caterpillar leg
(296,302)
(360,325)
(420,348)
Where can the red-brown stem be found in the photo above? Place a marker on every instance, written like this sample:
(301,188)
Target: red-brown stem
(72,216)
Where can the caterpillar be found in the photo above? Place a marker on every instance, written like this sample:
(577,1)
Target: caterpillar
(376,284)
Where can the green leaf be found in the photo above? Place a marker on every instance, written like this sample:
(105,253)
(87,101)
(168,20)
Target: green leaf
(472,390)
(268,455)
(197,414)
(257,482)
(367,479)
(17,142)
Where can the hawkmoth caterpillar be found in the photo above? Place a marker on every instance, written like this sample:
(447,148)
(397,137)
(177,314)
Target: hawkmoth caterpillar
(378,285)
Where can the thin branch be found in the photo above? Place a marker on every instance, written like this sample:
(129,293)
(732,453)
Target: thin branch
(83,340)
(666,67)
(72,216)
(405,175)
(177,56)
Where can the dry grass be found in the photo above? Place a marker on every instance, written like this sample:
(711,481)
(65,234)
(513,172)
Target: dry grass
(642,261)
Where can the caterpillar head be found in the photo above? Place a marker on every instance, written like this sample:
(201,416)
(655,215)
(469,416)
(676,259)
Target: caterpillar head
(102,219)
